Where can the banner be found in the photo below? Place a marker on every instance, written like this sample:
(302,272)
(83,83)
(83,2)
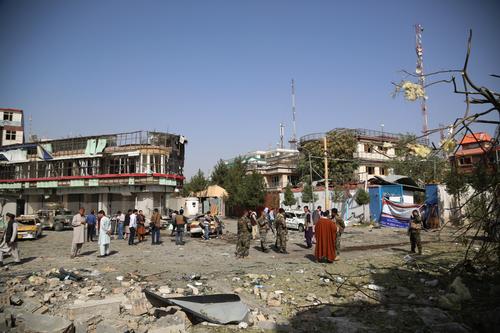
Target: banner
(396,215)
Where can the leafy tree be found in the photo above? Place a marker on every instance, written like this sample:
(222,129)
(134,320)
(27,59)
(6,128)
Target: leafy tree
(424,170)
(362,198)
(341,145)
(289,199)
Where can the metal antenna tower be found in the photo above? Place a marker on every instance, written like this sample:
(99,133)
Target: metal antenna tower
(293,139)
(421,78)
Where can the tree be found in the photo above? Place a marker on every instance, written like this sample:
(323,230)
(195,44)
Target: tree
(308,194)
(341,145)
(197,183)
(362,198)
(289,199)
(219,173)
(423,168)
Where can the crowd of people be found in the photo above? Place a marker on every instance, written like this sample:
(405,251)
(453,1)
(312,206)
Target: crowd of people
(320,227)
(323,229)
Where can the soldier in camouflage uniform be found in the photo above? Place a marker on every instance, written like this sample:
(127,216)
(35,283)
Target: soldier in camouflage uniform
(281,231)
(263,224)
(414,231)
(244,235)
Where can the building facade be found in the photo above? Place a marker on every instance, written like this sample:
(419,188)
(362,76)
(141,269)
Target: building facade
(373,150)
(110,172)
(11,127)
(277,166)
(476,149)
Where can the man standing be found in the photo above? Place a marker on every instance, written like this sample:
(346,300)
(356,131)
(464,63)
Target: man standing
(127,224)
(263,224)
(253,220)
(91,222)
(414,231)
(155,227)
(206,226)
(244,235)
(308,227)
(281,231)
(120,219)
(104,233)
(315,217)
(132,227)
(326,233)
(78,224)
(180,221)
(339,222)
(9,240)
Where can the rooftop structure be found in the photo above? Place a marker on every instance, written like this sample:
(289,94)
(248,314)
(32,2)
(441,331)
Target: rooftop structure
(475,149)
(112,171)
(11,126)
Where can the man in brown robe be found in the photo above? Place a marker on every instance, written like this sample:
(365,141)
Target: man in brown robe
(326,235)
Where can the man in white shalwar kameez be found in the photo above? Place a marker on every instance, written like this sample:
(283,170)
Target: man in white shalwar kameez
(78,224)
(104,233)
(8,244)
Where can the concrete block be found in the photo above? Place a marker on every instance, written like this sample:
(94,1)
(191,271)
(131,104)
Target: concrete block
(169,324)
(34,323)
(108,308)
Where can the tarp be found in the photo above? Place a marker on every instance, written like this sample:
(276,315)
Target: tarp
(212,191)
(91,147)
(43,154)
(396,215)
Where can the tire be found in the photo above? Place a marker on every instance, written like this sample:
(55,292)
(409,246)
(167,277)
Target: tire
(301,228)
(58,226)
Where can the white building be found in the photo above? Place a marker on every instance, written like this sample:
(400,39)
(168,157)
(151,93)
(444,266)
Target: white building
(11,127)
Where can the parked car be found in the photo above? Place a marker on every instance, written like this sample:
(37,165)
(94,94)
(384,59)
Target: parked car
(56,219)
(29,227)
(294,220)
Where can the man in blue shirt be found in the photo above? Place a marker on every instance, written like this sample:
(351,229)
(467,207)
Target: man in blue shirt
(91,222)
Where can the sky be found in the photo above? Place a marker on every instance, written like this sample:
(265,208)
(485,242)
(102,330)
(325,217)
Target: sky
(219,72)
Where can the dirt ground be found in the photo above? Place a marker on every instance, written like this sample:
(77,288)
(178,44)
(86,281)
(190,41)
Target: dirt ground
(375,286)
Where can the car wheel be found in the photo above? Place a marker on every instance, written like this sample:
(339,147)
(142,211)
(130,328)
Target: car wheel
(301,228)
(58,227)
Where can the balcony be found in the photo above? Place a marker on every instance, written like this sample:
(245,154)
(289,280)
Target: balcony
(371,156)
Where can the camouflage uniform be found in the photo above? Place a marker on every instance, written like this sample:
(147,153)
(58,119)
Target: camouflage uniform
(263,229)
(340,229)
(414,231)
(281,232)
(244,235)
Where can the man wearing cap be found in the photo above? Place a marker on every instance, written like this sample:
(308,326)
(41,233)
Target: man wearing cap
(9,240)
(78,224)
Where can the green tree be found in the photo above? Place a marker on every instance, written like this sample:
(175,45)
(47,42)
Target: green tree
(308,194)
(424,170)
(197,183)
(341,145)
(289,199)
(219,173)
(362,198)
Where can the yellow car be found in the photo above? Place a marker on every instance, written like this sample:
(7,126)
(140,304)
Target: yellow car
(29,227)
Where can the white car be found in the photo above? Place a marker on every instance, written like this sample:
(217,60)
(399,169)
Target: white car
(295,220)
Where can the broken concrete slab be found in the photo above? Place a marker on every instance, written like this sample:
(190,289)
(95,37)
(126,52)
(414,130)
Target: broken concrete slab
(34,323)
(169,324)
(108,307)
(111,326)
(432,316)
(139,307)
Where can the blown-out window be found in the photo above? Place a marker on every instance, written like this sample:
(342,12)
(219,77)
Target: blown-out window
(10,135)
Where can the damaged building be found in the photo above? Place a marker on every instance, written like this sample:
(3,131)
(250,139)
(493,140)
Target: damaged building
(110,172)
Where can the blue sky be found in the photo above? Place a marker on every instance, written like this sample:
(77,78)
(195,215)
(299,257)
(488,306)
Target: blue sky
(219,71)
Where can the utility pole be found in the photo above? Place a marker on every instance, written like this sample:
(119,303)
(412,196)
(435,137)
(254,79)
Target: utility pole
(311,181)
(421,78)
(293,139)
(327,199)
(282,134)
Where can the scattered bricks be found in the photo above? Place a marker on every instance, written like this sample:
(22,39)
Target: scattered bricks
(238,290)
(169,324)
(42,310)
(30,293)
(118,290)
(34,323)
(87,323)
(111,326)
(264,295)
(179,291)
(108,307)
(274,300)
(194,290)
(126,284)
